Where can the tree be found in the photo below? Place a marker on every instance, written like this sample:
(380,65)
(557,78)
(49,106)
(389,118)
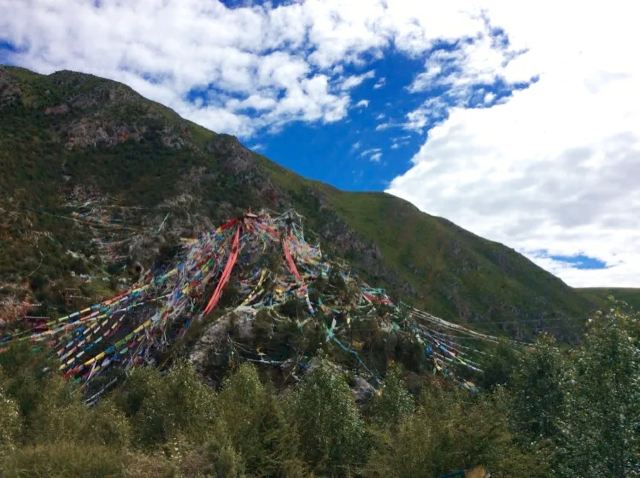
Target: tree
(452,430)
(27,373)
(165,407)
(327,419)
(601,432)
(499,366)
(393,401)
(538,388)
(257,426)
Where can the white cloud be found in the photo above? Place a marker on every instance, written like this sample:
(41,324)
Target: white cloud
(399,142)
(380,83)
(356,80)
(555,167)
(433,110)
(362,104)
(375,157)
(257,147)
(267,65)
(373,154)
(384,126)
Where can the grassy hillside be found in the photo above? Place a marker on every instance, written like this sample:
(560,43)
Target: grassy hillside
(601,295)
(458,274)
(98,182)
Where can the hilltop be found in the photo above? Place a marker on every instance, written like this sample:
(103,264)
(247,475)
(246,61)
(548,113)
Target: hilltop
(99,183)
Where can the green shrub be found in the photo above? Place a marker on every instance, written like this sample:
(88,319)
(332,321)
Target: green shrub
(538,393)
(63,460)
(329,423)
(256,424)
(162,407)
(27,371)
(109,426)
(451,431)
(9,422)
(392,402)
(600,432)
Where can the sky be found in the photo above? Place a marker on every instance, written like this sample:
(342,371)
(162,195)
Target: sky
(519,121)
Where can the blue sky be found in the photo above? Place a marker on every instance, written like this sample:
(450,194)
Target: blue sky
(372,144)
(519,122)
(580,261)
(344,153)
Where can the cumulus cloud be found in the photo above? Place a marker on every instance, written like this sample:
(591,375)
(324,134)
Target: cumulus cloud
(356,80)
(385,126)
(235,70)
(470,72)
(554,168)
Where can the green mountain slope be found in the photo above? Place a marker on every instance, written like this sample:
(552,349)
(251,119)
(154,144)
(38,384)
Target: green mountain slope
(602,294)
(98,183)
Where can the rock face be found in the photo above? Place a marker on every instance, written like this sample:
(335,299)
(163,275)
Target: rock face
(89,133)
(57,110)
(362,390)
(211,342)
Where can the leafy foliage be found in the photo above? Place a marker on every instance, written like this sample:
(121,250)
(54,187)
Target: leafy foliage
(9,422)
(327,419)
(451,430)
(257,426)
(538,393)
(601,429)
(393,402)
(556,412)
(163,408)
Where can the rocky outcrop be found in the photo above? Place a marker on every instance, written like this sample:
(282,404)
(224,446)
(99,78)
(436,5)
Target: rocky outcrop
(88,132)
(57,110)
(208,351)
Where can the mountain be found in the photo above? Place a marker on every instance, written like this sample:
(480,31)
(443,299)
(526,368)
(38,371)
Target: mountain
(99,184)
(601,294)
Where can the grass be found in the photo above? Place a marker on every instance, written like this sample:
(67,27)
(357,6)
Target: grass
(602,294)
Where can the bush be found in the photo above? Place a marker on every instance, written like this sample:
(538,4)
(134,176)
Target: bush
(62,460)
(450,431)
(27,372)
(538,394)
(498,366)
(165,407)
(60,415)
(600,433)
(9,422)
(393,402)
(256,424)
(328,421)
(109,426)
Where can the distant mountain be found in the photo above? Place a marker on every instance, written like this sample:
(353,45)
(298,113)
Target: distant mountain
(98,184)
(601,294)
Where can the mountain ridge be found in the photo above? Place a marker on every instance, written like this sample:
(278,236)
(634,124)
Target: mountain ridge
(69,139)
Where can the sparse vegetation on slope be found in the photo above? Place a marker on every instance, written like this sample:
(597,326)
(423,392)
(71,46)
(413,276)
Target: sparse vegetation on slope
(69,137)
